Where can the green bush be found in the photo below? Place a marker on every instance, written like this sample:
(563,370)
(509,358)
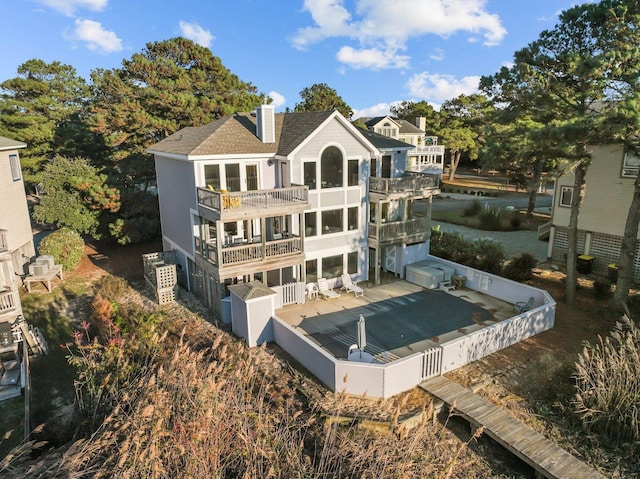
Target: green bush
(519,268)
(66,247)
(515,221)
(608,391)
(485,255)
(601,288)
(472,208)
(490,220)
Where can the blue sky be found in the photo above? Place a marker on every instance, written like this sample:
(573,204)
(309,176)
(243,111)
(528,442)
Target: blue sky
(374,53)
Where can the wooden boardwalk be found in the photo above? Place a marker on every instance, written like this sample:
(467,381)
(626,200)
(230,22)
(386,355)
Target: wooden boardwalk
(544,456)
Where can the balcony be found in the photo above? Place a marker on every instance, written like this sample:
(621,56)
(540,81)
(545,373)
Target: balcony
(426,159)
(244,253)
(217,205)
(9,302)
(411,186)
(400,232)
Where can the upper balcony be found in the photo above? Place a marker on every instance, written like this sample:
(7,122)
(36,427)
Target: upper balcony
(426,159)
(237,205)
(412,186)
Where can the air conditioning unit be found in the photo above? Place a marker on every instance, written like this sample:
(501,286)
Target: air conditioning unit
(37,269)
(46,259)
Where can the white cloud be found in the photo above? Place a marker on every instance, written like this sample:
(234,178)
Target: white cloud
(438,88)
(437,54)
(195,32)
(381,26)
(68,7)
(372,58)
(278,99)
(381,109)
(96,37)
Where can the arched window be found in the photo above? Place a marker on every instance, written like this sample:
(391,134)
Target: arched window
(331,165)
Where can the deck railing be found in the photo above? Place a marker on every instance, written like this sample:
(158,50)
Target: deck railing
(8,301)
(224,201)
(403,184)
(399,229)
(245,253)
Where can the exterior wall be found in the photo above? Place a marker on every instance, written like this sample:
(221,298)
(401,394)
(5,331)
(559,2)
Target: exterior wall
(252,319)
(266,172)
(607,194)
(176,197)
(14,215)
(324,245)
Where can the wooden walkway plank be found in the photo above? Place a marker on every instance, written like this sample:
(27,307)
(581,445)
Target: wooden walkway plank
(532,447)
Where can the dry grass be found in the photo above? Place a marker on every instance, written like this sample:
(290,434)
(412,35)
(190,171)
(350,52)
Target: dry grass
(188,400)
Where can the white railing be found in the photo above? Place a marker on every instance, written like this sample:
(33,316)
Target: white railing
(245,253)
(403,184)
(400,229)
(225,201)
(431,363)
(292,293)
(8,302)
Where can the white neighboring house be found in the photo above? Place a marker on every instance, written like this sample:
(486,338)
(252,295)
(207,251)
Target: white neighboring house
(608,192)
(286,199)
(426,156)
(16,239)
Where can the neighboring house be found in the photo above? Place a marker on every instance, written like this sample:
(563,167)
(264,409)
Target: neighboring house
(607,195)
(425,156)
(16,238)
(286,199)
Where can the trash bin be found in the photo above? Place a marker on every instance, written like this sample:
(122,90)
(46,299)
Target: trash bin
(612,272)
(585,262)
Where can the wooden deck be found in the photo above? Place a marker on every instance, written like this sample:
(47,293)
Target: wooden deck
(44,278)
(544,456)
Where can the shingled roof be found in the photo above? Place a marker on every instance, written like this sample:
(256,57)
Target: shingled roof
(383,142)
(236,134)
(9,144)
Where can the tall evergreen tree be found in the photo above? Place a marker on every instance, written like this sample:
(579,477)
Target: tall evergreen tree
(42,106)
(321,97)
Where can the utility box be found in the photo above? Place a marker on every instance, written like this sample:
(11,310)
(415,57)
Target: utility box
(584,264)
(161,276)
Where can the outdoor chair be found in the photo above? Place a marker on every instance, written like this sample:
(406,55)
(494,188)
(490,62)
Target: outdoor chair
(312,291)
(325,291)
(524,306)
(351,286)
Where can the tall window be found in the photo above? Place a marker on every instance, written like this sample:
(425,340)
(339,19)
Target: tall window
(212,177)
(16,173)
(352,262)
(352,218)
(311,224)
(310,174)
(233,176)
(331,166)
(311,266)
(332,222)
(352,173)
(332,266)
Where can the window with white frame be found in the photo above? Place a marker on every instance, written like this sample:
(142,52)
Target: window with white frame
(331,166)
(566,194)
(16,173)
(630,165)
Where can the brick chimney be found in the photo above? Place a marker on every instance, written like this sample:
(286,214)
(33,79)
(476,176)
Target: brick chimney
(266,123)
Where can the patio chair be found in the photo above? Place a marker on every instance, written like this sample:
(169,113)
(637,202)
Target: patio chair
(325,291)
(351,286)
(312,291)
(524,306)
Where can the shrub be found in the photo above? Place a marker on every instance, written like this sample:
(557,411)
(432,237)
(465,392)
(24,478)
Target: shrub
(485,255)
(601,288)
(515,221)
(519,268)
(608,391)
(66,246)
(490,220)
(472,208)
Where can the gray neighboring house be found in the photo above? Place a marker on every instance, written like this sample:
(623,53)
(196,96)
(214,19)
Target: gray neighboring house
(286,199)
